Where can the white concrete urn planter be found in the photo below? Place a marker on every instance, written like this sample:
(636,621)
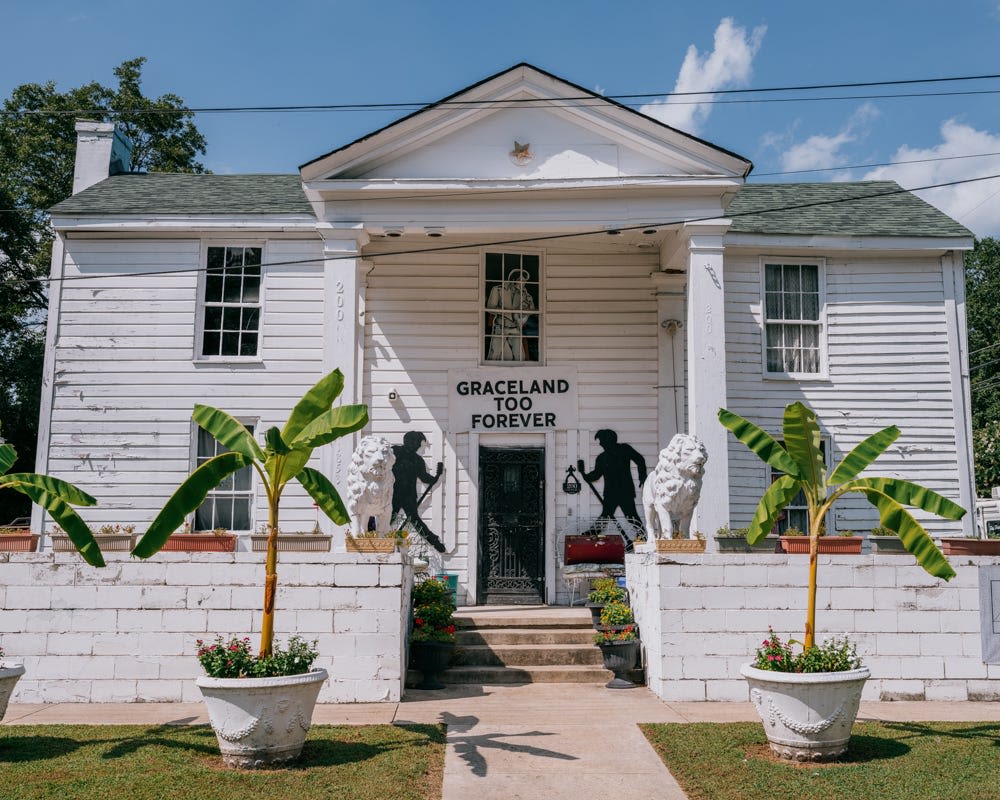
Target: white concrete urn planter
(806,716)
(9,675)
(261,722)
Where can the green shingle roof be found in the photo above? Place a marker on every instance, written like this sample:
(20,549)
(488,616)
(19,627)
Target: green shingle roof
(158,193)
(872,208)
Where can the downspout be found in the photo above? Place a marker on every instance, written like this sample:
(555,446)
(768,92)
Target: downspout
(963,406)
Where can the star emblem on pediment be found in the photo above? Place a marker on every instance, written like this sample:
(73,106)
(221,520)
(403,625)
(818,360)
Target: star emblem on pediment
(521,154)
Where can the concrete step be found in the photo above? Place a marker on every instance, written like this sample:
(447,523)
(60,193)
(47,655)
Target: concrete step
(536,636)
(529,655)
(522,617)
(527,674)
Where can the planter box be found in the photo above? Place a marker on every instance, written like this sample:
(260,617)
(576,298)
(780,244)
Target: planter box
(769,544)
(370,545)
(887,544)
(968,546)
(732,544)
(680,545)
(108,542)
(18,542)
(200,543)
(827,544)
(293,543)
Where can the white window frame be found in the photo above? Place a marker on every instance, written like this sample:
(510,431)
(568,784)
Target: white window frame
(254,424)
(820,264)
(540,310)
(199,342)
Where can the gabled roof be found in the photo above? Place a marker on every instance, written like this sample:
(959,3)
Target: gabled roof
(870,208)
(159,193)
(522,86)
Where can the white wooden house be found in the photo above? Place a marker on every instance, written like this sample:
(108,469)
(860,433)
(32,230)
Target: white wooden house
(655,286)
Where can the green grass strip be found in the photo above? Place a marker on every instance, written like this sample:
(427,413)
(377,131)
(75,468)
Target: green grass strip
(885,761)
(100,762)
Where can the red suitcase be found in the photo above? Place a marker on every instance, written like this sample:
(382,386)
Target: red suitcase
(597,549)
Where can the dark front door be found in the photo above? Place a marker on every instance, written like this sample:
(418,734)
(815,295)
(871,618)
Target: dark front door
(511,525)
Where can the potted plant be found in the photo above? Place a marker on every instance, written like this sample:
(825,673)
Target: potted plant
(604,591)
(970,546)
(615,616)
(241,709)
(375,542)
(184,540)
(110,538)
(729,540)
(432,640)
(58,498)
(619,646)
(794,540)
(885,540)
(299,542)
(824,699)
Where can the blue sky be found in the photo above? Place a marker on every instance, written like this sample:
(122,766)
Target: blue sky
(221,53)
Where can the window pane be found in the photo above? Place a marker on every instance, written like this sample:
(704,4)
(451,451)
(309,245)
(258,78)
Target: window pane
(774,360)
(212,344)
(810,305)
(234,256)
(213,318)
(793,306)
(248,344)
(810,278)
(204,517)
(250,318)
(213,288)
(231,318)
(773,309)
(216,256)
(790,274)
(240,514)
(251,256)
(233,291)
(230,344)
(251,289)
(494,270)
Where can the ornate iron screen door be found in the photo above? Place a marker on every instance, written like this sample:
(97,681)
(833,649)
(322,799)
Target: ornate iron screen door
(511,525)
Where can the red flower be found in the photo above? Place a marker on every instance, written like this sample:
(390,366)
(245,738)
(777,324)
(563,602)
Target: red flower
(417,621)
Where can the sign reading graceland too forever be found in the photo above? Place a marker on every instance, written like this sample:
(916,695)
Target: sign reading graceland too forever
(512,399)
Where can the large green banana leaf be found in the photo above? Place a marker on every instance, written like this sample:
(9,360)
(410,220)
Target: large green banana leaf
(313,403)
(331,425)
(45,483)
(778,495)
(282,468)
(910,494)
(324,493)
(8,455)
(65,517)
(186,499)
(863,454)
(230,432)
(760,442)
(912,534)
(802,442)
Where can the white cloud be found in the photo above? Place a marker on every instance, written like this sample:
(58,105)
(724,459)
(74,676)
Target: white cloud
(823,151)
(728,65)
(975,205)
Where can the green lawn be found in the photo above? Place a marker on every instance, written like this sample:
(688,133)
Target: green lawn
(83,762)
(887,761)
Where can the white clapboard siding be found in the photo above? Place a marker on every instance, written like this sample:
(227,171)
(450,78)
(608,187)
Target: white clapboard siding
(423,317)
(126,377)
(888,364)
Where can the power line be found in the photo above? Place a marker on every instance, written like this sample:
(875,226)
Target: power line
(707,96)
(878,164)
(534,239)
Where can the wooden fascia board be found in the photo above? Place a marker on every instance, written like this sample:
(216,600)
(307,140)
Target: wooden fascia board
(208,222)
(894,244)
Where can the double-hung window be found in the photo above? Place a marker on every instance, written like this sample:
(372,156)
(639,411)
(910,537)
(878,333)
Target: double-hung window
(512,327)
(796,513)
(231,322)
(230,505)
(793,313)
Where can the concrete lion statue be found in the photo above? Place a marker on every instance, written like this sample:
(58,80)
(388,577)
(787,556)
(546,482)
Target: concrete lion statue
(369,485)
(671,491)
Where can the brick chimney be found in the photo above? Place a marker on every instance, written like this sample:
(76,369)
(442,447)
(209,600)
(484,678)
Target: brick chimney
(101,150)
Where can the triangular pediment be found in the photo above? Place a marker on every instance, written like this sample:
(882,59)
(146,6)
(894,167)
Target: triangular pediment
(525,124)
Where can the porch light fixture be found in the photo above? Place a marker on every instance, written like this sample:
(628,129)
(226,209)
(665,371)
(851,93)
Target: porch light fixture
(434,233)
(649,231)
(613,232)
(394,232)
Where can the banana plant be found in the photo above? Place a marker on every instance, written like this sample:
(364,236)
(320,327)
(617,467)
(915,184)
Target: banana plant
(58,498)
(313,422)
(801,461)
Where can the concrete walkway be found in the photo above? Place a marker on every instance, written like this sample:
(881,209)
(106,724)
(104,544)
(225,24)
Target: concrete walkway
(537,740)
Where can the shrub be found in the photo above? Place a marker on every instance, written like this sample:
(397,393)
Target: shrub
(833,655)
(234,659)
(432,612)
(616,614)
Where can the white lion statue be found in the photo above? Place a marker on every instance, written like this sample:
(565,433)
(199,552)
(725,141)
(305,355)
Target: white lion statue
(369,485)
(671,491)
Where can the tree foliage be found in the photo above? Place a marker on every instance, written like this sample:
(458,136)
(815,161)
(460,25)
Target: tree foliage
(982,288)
(37,154)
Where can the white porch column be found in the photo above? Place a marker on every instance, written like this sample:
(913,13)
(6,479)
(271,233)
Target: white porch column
(670,317)
(706,359)
(344,341)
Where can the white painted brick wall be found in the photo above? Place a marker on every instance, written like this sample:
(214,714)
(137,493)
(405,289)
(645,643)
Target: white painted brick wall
(127,633)
(701,616)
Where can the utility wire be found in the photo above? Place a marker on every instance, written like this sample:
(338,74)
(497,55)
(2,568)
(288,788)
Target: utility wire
(534,239)
(708,96)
